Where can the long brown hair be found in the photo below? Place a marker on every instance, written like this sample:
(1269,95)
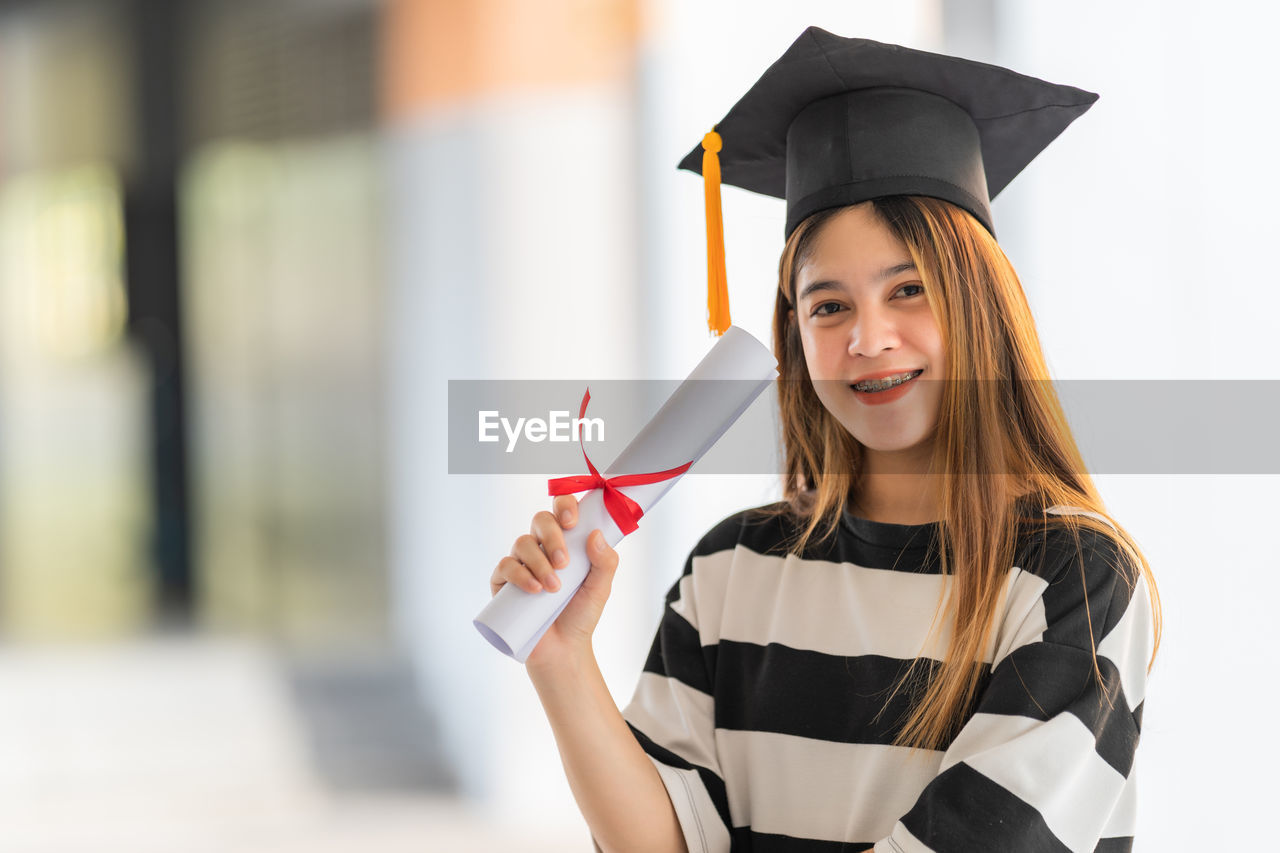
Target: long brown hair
(1004,445)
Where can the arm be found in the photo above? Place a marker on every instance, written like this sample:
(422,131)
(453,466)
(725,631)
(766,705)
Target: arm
(1045,762)
(616,786)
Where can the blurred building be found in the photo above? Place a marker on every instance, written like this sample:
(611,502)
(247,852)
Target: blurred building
(75,514)
(192,349)
(193,405)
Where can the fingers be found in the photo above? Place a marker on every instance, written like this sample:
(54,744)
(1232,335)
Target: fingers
(604,563)
(598,583)
(511,570)
(529,552)
(536,556)
(550,537)
(602,556)
(565,508)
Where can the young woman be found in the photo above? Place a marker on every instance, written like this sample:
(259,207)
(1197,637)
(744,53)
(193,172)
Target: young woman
(939,640)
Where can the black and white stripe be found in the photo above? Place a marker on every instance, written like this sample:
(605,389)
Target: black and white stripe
(765,700)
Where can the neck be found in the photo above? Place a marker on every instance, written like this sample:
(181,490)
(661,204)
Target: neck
(897,489)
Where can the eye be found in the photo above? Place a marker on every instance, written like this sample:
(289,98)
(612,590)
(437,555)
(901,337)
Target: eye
(819,311)
(919,289)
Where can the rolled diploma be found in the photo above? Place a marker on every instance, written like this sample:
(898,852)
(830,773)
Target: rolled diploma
(692,419)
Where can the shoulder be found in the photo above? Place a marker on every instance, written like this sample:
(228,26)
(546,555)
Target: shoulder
(1058,541)
(765,529)
(1085,571)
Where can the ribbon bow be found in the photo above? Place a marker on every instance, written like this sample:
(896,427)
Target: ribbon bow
(624,511)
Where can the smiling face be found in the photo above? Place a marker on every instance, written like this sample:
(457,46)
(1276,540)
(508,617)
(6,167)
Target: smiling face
(862,312)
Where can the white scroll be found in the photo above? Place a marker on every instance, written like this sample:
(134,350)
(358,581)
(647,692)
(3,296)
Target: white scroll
(692,419)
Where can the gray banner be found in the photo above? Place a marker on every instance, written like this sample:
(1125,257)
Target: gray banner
(1178,427)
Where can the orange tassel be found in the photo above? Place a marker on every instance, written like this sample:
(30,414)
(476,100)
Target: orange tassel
(717,282)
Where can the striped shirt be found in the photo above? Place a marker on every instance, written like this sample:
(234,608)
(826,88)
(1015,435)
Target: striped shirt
(765,702)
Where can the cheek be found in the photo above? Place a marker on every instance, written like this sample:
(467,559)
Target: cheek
(819,350)
(817,364)
(929,342)
(806,346)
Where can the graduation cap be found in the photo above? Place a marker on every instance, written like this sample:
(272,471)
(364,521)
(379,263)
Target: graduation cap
(838,121)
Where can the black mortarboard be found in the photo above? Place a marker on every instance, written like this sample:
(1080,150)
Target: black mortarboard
(838,121)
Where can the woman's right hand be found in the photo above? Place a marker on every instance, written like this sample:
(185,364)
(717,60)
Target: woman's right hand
(531,566)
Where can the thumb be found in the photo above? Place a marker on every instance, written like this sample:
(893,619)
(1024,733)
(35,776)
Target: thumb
(604,563)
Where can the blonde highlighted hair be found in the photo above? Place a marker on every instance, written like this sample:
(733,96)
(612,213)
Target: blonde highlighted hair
(1002,441)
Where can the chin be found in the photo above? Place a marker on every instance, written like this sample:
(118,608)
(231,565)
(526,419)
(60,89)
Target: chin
(886,440)
(895,446)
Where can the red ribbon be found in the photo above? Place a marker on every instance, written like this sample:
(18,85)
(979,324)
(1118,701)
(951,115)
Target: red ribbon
(624,511)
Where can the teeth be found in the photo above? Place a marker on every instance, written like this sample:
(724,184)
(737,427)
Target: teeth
(887,382)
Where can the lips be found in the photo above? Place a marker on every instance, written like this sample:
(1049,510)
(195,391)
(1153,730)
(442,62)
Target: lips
(884,380)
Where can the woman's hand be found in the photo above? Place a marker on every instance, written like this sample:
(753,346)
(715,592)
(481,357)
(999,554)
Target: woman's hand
(531,566)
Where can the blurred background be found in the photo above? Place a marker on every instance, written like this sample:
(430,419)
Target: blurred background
(244,244)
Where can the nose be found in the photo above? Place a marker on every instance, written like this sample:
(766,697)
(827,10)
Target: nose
(873,332)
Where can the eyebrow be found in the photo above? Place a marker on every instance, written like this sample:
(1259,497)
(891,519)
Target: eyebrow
(888,272)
